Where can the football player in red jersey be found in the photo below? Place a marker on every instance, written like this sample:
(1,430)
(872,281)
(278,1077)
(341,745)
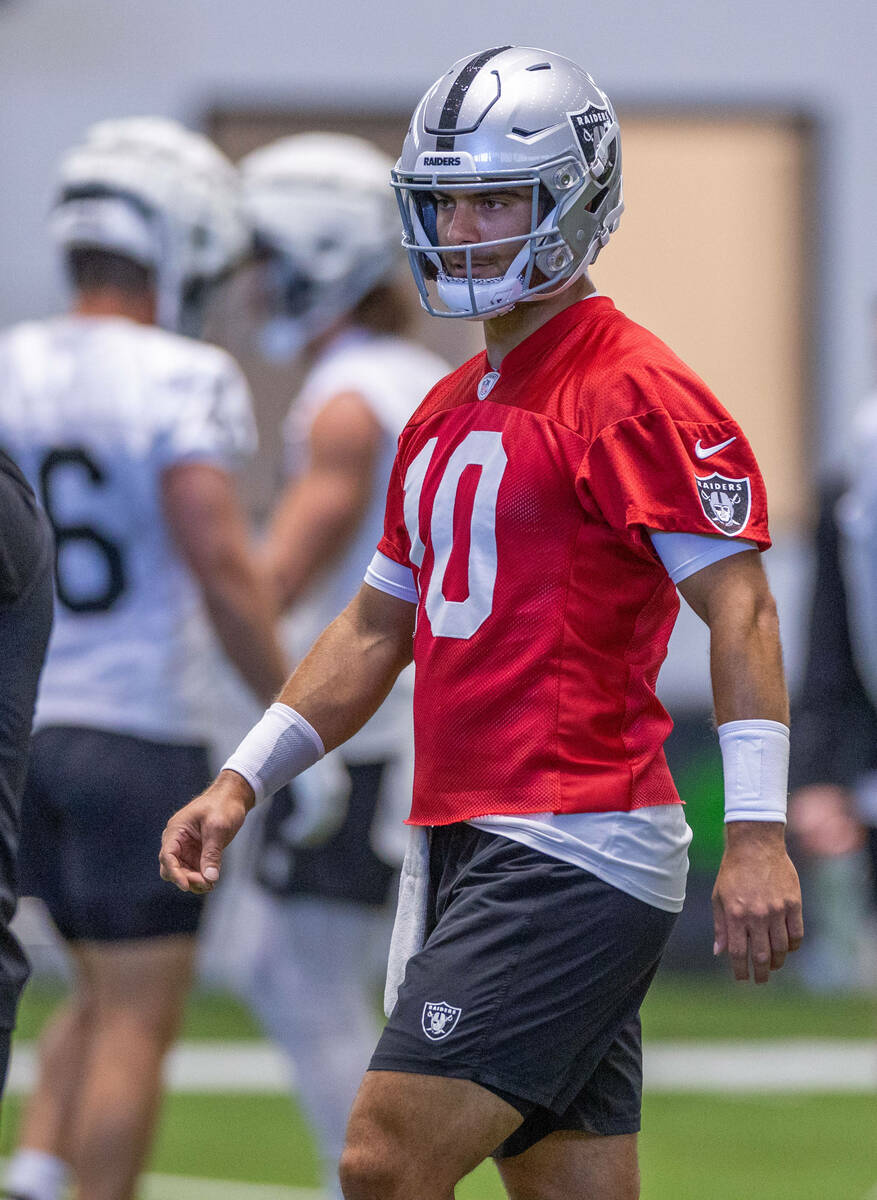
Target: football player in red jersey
(548,499)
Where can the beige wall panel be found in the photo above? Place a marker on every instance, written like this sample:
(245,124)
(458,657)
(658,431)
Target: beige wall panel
(709,256)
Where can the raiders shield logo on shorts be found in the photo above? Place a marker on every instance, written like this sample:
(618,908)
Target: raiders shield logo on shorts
(439,1019)
(725,502)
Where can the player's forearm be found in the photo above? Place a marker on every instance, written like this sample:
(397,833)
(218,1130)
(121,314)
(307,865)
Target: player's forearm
(237,602)
(307,546)
(749,687)
(746,659)
(307,538)
(351,667)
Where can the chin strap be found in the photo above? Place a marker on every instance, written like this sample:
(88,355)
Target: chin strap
(479,298)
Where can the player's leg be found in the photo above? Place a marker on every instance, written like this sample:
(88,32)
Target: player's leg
(134,944)
(574,1165)
(589,1149)
(108,797)
(45,1128)
(40,1167)
(313,989)
(138,990)
(418,1135)
(323,937)
(529,984)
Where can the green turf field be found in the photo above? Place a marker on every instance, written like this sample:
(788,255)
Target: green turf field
(694,1147)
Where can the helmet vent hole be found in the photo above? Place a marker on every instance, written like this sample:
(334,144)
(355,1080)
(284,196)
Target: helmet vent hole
(540,67)
(594,204)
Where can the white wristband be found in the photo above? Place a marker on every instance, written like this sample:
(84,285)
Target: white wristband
(277,748)
(755,759)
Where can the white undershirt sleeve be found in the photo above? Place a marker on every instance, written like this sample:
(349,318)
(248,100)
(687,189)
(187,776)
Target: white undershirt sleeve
(391,577)
(685,553)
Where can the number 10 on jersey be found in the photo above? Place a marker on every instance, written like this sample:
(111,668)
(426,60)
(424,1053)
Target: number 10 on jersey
(481,448)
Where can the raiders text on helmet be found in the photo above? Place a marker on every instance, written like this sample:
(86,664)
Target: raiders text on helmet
(322,211)
(511,117)
(149,189)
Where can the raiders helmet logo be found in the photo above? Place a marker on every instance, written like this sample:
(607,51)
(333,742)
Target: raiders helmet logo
(589,125)
(725,502)
(439,1019)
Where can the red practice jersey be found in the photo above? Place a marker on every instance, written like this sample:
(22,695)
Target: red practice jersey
(520,500)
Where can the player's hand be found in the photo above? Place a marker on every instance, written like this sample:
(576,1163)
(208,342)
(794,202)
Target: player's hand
(757,900)
(195,837)
(823,820)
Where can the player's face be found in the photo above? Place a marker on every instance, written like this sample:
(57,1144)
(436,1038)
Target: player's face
(464,218)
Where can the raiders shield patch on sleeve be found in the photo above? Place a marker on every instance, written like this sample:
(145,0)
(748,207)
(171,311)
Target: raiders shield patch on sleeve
(725,502)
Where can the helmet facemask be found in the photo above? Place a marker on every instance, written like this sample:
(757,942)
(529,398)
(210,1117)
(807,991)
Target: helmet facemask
(469,295)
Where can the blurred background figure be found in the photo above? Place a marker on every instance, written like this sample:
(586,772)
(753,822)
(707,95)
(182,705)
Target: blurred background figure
(327,249)
(26,557)
(857,519)
(833,811)
(131,434)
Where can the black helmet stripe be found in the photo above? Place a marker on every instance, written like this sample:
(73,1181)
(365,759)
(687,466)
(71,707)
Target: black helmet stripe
(457,94)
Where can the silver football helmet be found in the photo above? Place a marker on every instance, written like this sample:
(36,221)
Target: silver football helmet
(511,117)
(324,219)
(154,191)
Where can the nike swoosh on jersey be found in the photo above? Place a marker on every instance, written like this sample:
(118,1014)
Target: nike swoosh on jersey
(707,451)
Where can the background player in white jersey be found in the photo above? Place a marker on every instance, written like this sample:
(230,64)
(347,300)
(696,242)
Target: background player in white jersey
(328,245)
(131,434)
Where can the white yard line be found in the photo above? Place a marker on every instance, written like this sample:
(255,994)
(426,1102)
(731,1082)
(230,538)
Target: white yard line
(767,1066)
(181,1187)
(778,1066)
(253,1067)
(185,1187)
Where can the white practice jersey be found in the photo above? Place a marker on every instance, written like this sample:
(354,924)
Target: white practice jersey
(95,409)
(393,376)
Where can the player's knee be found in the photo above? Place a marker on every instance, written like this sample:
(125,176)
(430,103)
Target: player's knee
(137,1023)
(367,1172)
(627,1183)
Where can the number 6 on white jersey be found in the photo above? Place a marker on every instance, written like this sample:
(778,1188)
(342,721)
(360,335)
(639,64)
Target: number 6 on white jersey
(483,448)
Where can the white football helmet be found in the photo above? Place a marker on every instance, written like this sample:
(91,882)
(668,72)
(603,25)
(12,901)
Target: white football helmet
(323,216)
(516,117)
(154,191)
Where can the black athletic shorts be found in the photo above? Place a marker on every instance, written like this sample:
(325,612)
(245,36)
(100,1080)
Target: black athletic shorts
(530,984)
(345,865)
(95,805)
